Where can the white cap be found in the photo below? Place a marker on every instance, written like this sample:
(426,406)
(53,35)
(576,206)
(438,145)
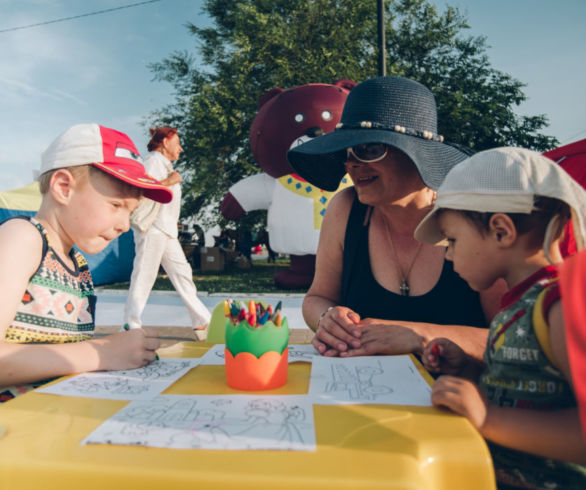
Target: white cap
(505,180)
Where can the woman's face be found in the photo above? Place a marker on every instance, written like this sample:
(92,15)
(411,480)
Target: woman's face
(171,147)
(387,180)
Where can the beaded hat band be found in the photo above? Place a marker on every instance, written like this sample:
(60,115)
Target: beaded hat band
(426,135)
(395,111)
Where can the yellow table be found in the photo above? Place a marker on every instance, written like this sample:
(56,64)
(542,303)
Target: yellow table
(358,446)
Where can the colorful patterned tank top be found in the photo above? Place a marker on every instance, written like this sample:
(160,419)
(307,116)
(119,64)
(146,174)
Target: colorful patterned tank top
(58,305)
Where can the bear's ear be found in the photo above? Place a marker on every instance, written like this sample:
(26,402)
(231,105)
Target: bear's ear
(268,96)
(345,83)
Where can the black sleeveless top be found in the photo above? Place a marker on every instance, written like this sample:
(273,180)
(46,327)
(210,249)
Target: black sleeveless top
(450,301)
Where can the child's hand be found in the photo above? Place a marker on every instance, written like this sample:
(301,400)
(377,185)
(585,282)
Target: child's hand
(443,355)
(128,350)
(461,396)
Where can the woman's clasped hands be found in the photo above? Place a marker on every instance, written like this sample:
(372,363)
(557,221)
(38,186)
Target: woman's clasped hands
(341,332)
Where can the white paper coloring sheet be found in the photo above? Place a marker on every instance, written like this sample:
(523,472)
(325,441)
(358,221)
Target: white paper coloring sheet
(297,353)
(390,380)
(224,422)
(132,384)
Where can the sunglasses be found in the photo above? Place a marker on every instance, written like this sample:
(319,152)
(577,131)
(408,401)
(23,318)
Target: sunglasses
(368,153)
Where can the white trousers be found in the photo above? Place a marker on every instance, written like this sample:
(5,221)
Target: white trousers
(153,248)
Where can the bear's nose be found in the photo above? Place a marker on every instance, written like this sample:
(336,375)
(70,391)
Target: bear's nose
(314,131)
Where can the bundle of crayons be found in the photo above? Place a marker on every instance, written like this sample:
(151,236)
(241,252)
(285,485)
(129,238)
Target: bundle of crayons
(256,314)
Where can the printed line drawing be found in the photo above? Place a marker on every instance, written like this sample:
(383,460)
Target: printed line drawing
(357,381)
(302,353)
(141,383)
(390,380)
(159,369)
(85,385)
(212,422)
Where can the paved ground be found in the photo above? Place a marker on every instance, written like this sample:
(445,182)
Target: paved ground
(166,314)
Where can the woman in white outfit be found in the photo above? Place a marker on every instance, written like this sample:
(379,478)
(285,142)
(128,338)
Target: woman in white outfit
(159,244)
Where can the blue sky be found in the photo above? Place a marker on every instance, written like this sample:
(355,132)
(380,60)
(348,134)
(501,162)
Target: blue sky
(94,69)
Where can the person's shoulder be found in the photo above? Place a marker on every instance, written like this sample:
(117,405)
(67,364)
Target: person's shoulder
(20,232)
(151,158)
(154,164)
(341,202)
(20,238)
(19,228)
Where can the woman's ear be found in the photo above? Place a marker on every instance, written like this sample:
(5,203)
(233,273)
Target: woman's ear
(61,185)
(502,229)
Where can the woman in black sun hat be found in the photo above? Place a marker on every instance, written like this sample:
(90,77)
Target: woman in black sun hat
(376,290)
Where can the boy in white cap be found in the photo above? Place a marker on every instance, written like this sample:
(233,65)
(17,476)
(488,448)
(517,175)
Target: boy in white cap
(91,179)
(501,214)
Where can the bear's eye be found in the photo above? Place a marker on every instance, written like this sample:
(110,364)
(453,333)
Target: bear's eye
(326,115)
(299,118)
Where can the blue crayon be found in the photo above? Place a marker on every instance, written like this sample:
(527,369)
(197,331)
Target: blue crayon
(263,319)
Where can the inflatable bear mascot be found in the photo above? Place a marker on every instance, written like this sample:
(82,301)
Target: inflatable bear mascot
(285,119)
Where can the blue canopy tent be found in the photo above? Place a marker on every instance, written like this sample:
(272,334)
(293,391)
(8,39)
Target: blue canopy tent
(113,264)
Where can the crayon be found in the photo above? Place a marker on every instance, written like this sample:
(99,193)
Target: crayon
(234,309)
(263,318)
(242,315)
(435,350)
(252,319)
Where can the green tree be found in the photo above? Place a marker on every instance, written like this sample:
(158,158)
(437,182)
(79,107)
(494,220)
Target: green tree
(255,45)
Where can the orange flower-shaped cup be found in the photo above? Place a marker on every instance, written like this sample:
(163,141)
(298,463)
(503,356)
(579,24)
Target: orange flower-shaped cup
(245,371)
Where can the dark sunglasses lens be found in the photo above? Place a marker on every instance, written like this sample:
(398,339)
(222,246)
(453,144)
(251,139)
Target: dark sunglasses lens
(370,151)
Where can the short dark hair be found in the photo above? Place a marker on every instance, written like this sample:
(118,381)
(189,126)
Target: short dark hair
(534,223)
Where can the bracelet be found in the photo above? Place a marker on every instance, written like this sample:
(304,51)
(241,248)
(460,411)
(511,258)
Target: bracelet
(324,314)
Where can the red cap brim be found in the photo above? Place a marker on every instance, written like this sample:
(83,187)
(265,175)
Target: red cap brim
(135,175)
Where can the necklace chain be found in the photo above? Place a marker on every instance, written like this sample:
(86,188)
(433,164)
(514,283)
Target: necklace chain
(404,286)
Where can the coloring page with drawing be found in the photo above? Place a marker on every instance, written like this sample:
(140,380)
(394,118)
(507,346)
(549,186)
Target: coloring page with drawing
(241,422)
(392,380)
(132,384)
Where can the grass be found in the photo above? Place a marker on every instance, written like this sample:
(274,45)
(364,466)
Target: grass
(257,279)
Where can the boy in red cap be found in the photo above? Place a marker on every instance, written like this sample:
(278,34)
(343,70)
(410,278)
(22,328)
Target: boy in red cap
(91,180)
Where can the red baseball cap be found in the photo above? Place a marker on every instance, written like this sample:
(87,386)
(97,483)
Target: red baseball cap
(107,149)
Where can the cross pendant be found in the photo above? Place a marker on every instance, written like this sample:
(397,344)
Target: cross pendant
(404,288)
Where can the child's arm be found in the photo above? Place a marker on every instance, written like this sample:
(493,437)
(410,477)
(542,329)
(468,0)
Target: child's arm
(552,434)
(20,255)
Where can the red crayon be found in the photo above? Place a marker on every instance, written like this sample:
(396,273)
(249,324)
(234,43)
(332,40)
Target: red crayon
(241,315)
(435,350)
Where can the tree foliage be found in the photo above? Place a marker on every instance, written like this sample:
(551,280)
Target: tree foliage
(255,45)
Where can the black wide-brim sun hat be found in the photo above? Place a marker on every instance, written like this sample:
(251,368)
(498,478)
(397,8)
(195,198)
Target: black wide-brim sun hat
(392,110)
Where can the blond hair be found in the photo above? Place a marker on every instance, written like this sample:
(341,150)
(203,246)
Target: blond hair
(80,173)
